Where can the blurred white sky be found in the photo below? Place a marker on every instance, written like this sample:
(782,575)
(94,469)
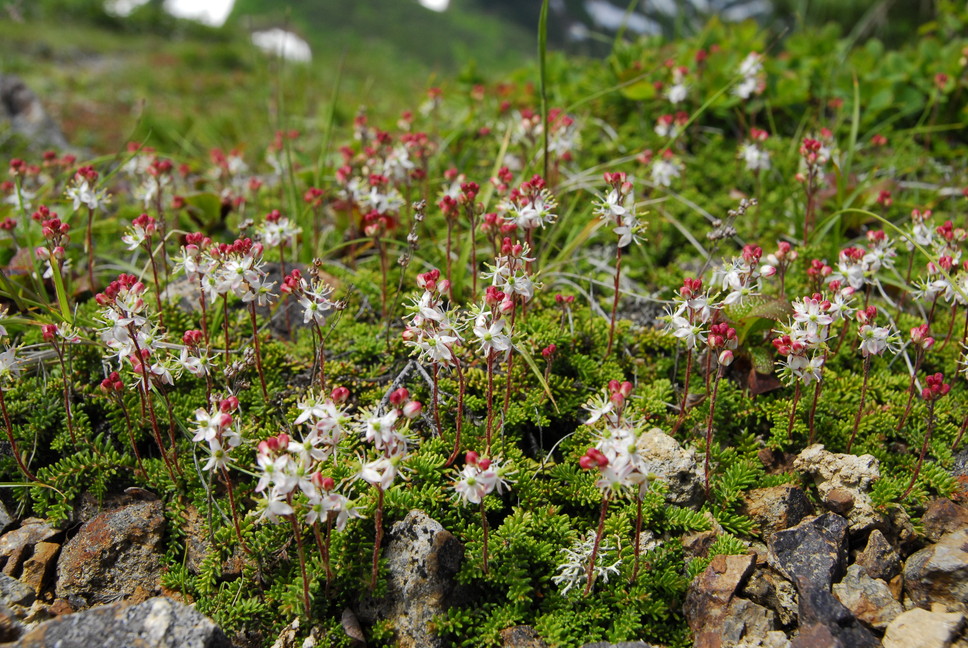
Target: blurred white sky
(214,12)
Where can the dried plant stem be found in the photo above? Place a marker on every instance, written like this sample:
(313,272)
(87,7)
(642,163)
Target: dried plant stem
(67,393)
(863,396)
(598,541)
(961,433)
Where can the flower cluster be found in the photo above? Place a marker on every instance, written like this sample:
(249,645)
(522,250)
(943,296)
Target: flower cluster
(480,477)
(617,454)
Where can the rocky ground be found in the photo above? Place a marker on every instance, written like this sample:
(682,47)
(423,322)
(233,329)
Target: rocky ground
(841,573)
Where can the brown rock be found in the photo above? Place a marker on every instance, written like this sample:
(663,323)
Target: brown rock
(38,568)
(869,599)
(879,558)
(696,545)
(816,635)
(17,545)
(10,626)
(711,594)
(839,501)
(943,516)
(61,606)
(919,628)
(521,636)
(112,555)
(776,508)
(939,573)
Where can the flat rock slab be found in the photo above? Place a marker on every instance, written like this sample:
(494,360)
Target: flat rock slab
(918,628)
(114,555)
(156,623)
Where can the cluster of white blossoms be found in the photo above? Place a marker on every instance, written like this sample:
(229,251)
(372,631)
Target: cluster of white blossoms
(277,229)
(530,206)
(618,209)
(753,154)
(479,478)
(616,455)
(291,470)
(751,71)
(510,274)
(83,191)
(220,430)
(858,267)
(387,432)
(802,344)
(129,333)
(874,340)
(431,330)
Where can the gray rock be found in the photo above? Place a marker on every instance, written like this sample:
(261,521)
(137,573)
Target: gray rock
(843,479)
(943,516)
(13,592)
(939,573)
(521,636)
(776,508)
(156,623)
(423,559)
(772,639)
(919,628)
(24,112)
(879,558)
(745,619)
(812,554)
(769,589)
(674,465)
(6,520)
(115,555)
(868,599)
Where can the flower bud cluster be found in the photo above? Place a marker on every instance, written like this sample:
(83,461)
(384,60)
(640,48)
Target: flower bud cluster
(616,454)
(480,477)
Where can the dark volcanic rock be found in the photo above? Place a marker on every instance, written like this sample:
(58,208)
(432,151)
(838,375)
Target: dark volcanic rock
(113,556)
(813,553)
(819,608)
(156,623)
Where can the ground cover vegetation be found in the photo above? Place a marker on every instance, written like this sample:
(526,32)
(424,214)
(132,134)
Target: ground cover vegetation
(481,303)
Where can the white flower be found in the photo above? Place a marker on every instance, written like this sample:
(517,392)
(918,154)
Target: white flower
(493,339)
(665,171)
(677,93)
(756,158)
(9,363)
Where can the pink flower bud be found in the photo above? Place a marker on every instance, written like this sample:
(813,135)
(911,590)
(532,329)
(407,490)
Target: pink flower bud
(340,394)
(471,457)
(400,396)
(412,409)
(726,358)
(484,464)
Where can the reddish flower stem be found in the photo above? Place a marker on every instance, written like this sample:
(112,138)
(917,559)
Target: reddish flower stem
(378,522)
(13,441)
(863,396)
(258,351)
(598,541)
